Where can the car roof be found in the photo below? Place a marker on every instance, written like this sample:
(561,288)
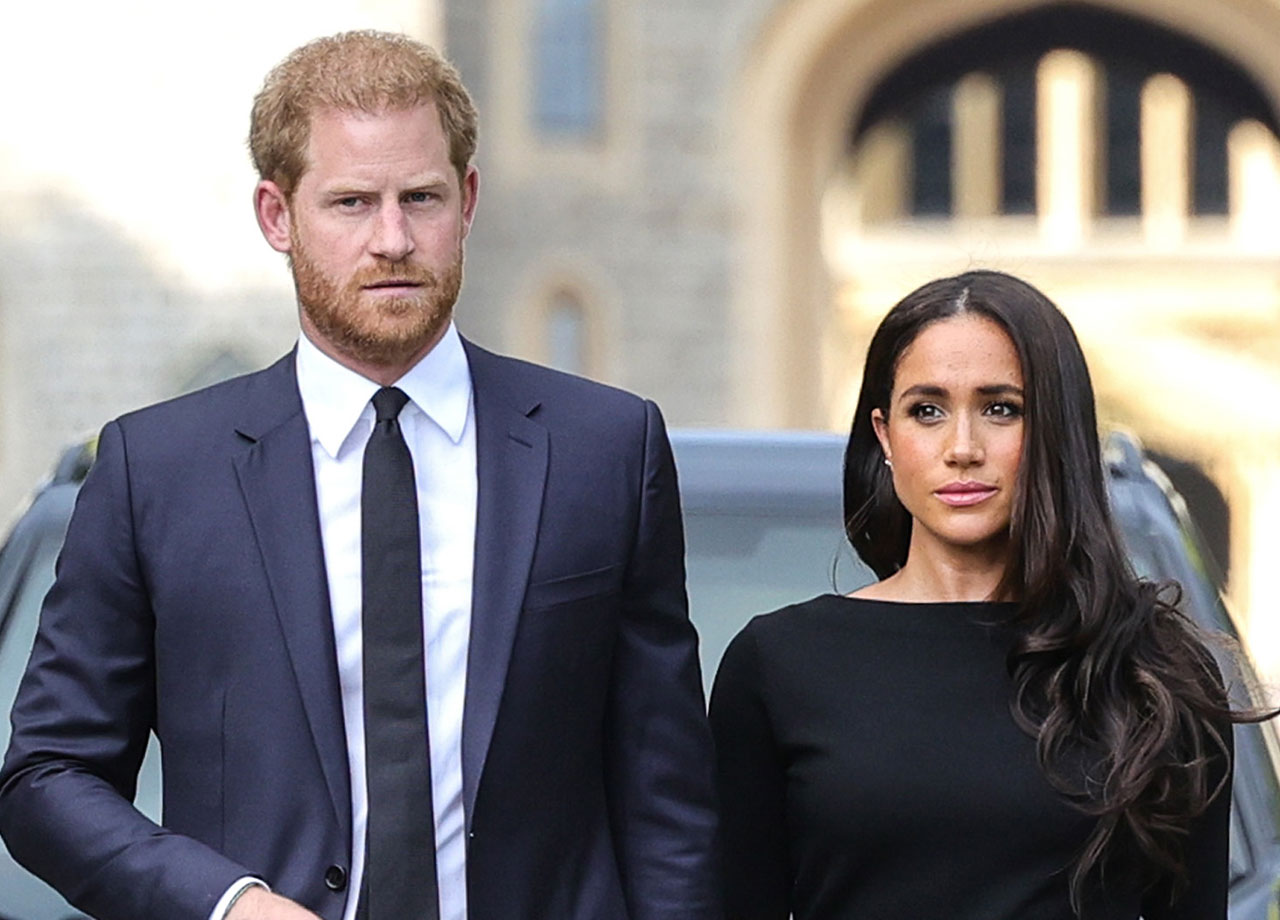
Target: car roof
(739,470)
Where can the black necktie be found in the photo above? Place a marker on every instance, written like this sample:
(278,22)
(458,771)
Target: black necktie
(400,873)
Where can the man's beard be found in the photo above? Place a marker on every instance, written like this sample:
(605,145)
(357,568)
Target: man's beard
(378,331)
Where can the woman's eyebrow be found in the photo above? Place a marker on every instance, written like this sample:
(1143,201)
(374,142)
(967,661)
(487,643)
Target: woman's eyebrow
(924,389)
(937,391)
(1000,389)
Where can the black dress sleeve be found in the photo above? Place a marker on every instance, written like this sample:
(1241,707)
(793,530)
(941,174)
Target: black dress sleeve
(752,788)
(1208,852)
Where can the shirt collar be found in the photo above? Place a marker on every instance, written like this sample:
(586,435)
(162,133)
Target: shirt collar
(334,397)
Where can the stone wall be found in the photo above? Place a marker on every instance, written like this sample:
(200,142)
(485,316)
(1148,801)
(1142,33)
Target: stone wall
(643,218)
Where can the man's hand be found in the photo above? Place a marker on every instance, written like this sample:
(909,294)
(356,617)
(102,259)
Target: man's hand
(259,904)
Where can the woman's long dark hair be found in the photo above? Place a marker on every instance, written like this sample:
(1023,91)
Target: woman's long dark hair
(1105,669)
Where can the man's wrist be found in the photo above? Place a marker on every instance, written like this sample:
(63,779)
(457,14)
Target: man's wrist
(229,897)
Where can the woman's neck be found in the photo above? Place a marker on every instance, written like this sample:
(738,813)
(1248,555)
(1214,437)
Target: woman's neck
(935,573)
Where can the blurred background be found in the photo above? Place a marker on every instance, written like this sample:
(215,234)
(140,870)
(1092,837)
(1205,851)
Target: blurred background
(711,202)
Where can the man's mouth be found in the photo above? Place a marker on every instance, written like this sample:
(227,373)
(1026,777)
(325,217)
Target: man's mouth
(393,286)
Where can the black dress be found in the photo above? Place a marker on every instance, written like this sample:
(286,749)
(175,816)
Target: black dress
(870,769)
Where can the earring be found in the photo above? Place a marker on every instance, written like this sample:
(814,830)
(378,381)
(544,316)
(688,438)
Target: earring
(888,462)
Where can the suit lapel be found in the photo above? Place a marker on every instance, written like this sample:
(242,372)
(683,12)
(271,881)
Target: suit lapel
(278,483)
(511,469)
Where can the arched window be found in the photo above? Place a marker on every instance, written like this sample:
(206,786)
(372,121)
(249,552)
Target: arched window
(568,78)
(1137,129)
(931,154)
(1018,139)
(1123,137)
(1213,126)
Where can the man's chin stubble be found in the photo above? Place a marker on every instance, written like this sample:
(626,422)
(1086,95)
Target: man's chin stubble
(400,333)
(372,331)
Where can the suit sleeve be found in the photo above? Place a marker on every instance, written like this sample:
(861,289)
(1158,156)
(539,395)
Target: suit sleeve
(752,788)
(81,721)
(659,759)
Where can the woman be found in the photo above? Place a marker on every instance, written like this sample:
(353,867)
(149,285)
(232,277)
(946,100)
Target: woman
(1008,725)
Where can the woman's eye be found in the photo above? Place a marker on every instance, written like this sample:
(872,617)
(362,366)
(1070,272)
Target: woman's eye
(925,412)
(1005,410)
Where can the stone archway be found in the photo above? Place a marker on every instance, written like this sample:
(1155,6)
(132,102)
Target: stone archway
(814,65)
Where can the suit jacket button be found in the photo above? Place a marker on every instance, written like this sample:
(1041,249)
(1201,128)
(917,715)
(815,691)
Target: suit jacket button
(335,878)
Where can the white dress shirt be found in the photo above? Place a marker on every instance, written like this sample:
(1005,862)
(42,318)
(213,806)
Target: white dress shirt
(439,427)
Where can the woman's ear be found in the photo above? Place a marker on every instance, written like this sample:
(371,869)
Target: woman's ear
(881,428)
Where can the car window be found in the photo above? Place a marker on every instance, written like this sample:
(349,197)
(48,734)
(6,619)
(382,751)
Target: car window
(742,563)
(18,622)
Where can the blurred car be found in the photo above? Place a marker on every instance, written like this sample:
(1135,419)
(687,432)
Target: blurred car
(26,572)
(762,516)
(763,522)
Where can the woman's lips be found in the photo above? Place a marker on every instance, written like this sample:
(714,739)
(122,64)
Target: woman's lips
(962,494)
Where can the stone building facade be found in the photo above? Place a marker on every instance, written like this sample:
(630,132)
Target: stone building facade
(709,201)
(753,183)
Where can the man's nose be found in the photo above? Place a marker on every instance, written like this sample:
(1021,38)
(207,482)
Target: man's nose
(392,238)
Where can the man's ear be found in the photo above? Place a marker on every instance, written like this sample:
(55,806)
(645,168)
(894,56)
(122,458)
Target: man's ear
(470,194)
(271,207)
(881,428)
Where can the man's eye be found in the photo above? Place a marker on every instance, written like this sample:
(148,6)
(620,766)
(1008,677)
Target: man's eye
(421,197)
(350,201)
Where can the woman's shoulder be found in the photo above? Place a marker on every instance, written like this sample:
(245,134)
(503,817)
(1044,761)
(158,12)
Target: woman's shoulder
(867,633)
(795,620)
(766,635)
(819,615)
(771,648)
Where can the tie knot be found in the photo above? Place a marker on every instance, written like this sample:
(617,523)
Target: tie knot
(388,402)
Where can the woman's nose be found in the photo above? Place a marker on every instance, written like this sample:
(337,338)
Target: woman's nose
(963,447)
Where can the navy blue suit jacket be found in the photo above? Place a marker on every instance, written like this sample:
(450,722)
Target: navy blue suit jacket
(191,600)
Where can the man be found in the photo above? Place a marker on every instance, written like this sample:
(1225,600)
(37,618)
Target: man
(234,578)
